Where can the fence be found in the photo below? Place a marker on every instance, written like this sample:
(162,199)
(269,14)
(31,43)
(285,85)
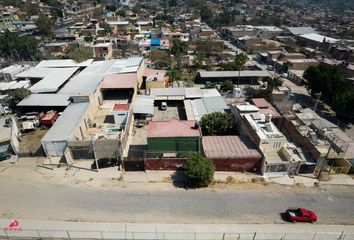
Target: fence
(125,235)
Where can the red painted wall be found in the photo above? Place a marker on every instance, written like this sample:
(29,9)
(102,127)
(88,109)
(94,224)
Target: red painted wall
(227,165)
(238,165)
(164,164)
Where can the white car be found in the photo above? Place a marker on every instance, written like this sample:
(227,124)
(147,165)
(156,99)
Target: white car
(284,75)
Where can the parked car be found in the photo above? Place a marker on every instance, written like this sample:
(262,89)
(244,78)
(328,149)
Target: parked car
(163,106)
(284,75)
(301,215)
(270,68)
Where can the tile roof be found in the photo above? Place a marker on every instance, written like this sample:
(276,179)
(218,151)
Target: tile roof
(221,147)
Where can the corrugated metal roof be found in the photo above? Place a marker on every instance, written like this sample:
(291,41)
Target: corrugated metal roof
(319,38)
(63,63)
(172,128)
(211,92)
(45,100)
(233,74)
(215,104)
(53,81)
(233,147)
(168,92)
(35,72)
(64,127)
(21,84)
(117,81)
(7,85)
(189,109)
(301,30)
(144,105)
(88,80)
(198,109)
(193,92)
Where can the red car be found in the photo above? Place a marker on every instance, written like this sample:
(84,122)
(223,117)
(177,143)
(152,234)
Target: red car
(301,215)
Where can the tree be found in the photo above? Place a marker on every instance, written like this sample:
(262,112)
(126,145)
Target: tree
(272,84)
(206,14)
(160,58)
(240,61)
(45,24)
(227,86)
(177,49)
(16,96)
(88,38)
(174,76)
(111,8)
(199,170)
(80,54)
(17,48)
(218,123)
(331,83)
(172,3)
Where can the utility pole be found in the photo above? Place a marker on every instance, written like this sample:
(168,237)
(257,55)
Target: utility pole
(324,161)
(317,100)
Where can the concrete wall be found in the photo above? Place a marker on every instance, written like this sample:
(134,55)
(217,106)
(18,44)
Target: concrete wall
(297,138)
(107,148)
(155,84)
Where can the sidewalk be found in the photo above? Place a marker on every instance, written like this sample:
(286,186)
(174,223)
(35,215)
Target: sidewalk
(309,180)
(90,230)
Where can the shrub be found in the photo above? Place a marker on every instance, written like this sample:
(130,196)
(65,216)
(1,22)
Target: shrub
(199,170)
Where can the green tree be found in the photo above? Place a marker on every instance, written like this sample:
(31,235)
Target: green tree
(17,48)
(80,54)
(272,84)
(16,96)
(199,170)
(227,86)
(218,123)
(111,8)
(239,62)
(178,47)
(174,76)
(206,14)
(172,3)
(331,83)
(177,50)
(88,38)
(45,24)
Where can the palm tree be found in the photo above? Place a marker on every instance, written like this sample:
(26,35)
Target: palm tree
(240,61)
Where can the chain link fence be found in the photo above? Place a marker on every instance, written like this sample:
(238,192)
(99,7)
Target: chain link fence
(126,235)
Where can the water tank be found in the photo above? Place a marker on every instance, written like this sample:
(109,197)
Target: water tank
(268,118)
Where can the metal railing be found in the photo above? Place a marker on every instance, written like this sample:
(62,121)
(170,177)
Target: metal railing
(154,235)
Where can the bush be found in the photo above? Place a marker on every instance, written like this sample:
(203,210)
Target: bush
(199,170)
(218,123)
(227,86)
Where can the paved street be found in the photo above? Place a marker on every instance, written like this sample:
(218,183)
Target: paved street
(29,197)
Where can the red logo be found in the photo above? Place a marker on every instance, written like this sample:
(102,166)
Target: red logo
(14,226)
